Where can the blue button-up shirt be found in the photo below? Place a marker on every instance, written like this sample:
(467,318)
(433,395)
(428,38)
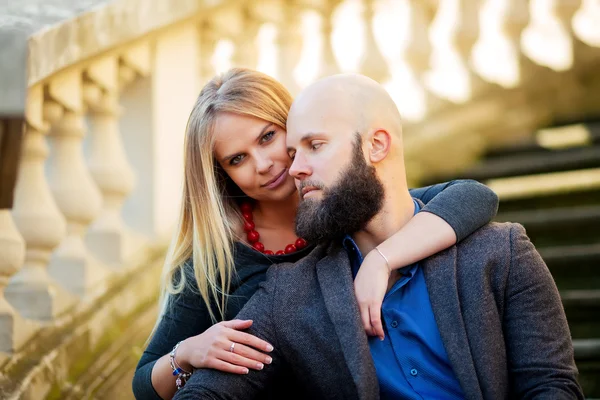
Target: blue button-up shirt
(411,361)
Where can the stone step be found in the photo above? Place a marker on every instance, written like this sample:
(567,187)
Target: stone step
(587,349)
(568,136)
(587,358)
(558,226)
(546,185)
(583,313)
(575,266)
(539,162)
(551,201)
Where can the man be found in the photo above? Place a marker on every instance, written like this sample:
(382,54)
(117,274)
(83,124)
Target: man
(481,320)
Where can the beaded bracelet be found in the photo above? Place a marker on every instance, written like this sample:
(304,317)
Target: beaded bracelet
(181,374)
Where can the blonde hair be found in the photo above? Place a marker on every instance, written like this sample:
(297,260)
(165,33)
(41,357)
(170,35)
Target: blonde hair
(209,214)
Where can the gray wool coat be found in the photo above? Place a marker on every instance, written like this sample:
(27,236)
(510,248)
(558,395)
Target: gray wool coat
(495,303)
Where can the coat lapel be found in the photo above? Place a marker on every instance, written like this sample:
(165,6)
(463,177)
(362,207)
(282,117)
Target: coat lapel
(335,280)
(441,280)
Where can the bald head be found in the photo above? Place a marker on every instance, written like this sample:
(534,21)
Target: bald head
(344,103)
(345,181)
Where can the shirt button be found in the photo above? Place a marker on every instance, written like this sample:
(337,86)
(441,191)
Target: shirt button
(413,372)
(394,324)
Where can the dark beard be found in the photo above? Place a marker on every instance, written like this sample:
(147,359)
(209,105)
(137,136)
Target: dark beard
(346,207)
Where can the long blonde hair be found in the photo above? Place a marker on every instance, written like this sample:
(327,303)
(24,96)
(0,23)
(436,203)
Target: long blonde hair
(209,214)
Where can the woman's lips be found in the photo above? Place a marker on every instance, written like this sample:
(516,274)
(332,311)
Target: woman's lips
(278,180)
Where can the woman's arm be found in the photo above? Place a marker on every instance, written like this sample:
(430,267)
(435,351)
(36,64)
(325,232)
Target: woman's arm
(453,210)
(185,317)
(204,346)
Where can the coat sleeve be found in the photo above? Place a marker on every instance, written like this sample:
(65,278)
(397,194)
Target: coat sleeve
(539,348)
(466,205)
(213,384)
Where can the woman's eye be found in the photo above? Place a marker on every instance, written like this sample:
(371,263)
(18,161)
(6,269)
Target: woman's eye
(236,160)
(315,146)
(267,136)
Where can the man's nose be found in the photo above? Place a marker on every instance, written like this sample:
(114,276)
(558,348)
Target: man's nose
(300,169)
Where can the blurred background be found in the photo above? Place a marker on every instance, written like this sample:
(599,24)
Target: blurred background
(94,99)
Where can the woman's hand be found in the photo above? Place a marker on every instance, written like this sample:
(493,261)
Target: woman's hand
(213,349)
(370,286)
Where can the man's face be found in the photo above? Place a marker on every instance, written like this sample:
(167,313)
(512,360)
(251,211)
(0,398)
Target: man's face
(339,193)
(321,148)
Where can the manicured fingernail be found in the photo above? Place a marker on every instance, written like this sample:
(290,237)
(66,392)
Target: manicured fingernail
(268,360)
(269,347)
(246,370)
(259,365)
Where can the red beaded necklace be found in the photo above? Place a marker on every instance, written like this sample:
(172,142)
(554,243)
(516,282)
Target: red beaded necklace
(253,236)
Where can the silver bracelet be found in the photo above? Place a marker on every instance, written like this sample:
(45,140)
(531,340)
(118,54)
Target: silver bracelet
(181,374)
(384,257)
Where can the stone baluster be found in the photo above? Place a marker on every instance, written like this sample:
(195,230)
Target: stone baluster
(208,43)
(565,11)
(12,247)
(451,76)
(372,63)
(576,105)
(126,76)
(548,40)
(32,291)
(329,65)
(516,18)
(107,237)
(135,61)
(523,72)
(13,252)
(246,50)
(418,49)
(496,54)
(416,54)
(75,191)
(466,30)
(586,22)
(464,40)
(289,43)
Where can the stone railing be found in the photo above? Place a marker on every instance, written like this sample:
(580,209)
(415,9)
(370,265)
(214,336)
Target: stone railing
(96,94)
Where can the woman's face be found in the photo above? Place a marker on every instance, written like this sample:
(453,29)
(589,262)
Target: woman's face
(253,153)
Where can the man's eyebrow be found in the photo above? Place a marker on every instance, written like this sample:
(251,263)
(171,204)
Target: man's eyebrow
(306,139)
(262,132)
(309,136)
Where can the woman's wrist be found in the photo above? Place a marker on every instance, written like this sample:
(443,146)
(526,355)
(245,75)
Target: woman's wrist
(387,262)
(182,356)
(378,260)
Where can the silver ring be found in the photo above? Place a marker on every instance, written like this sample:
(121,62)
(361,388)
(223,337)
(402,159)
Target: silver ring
(232,347)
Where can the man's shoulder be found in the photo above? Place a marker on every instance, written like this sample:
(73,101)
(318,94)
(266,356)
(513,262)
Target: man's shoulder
(493,233)
(494,241)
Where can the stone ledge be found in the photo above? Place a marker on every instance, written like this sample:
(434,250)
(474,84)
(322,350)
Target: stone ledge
(42,37)
(59,355)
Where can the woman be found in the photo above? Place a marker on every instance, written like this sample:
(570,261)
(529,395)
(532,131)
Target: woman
(234,210)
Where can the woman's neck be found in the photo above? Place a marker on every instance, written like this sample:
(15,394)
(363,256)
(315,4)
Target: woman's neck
(276,215)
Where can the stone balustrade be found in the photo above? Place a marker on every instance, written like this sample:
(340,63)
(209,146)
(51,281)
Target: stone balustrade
(99,95)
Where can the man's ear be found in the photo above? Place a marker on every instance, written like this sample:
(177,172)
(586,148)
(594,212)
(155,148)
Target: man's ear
(381,143)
